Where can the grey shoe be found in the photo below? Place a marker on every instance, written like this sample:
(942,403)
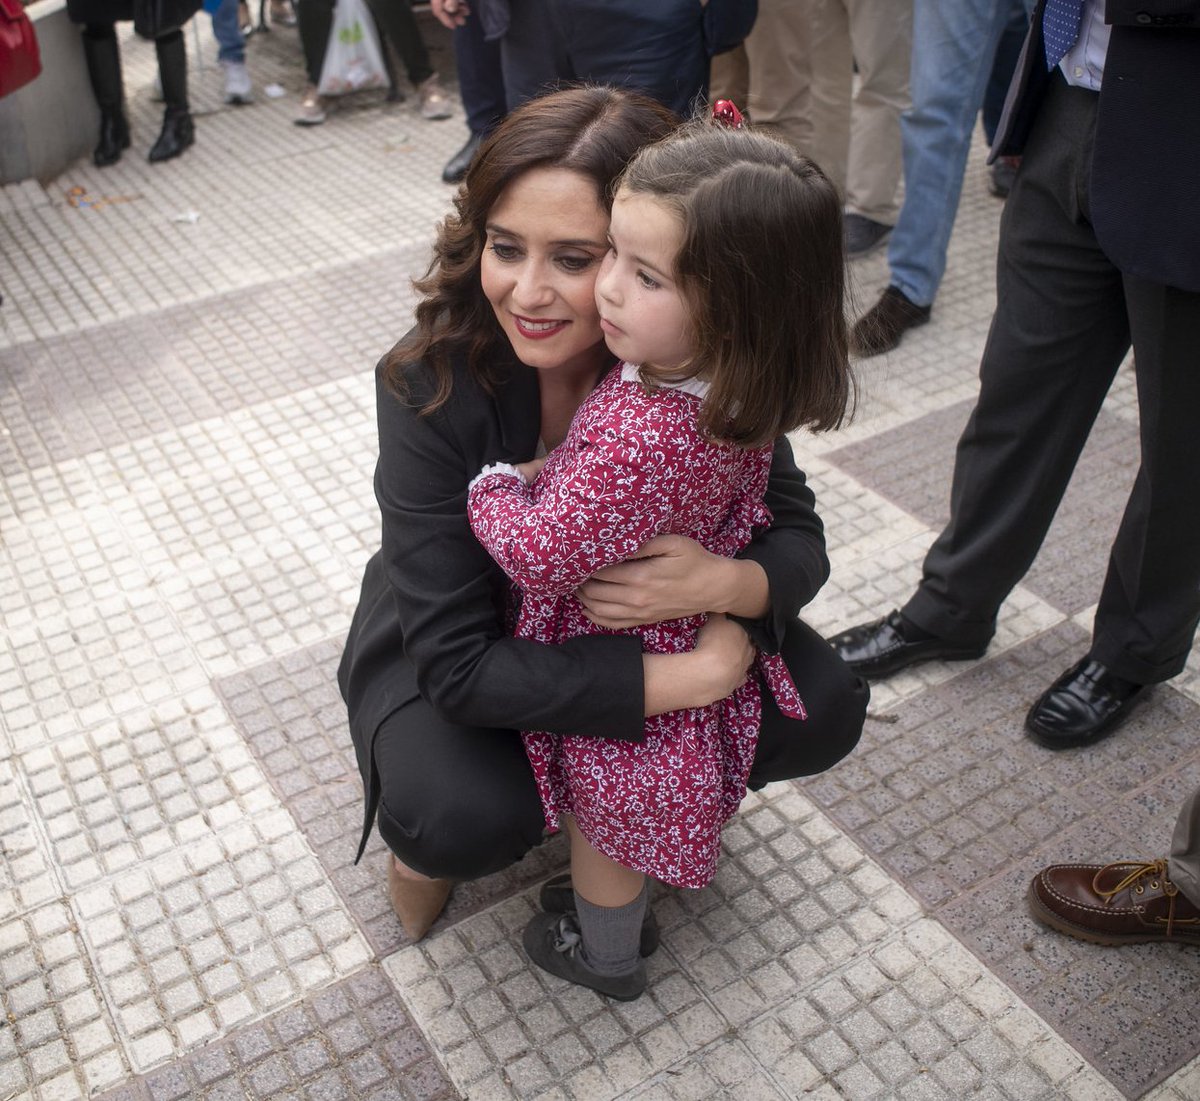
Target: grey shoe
(557,896)
(312,108)
(238,89)
(554,943)
(863,235)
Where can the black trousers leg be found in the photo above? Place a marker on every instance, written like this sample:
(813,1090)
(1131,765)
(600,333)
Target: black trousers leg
(399,25)
(104,65)
(313,20)
(172,69)
(1150,602)
(1057,338)
(460,802)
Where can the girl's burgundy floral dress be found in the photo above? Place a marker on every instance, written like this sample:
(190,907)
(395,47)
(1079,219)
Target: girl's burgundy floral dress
(634,465)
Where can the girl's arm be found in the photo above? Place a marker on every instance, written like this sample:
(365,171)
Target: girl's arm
(602,503)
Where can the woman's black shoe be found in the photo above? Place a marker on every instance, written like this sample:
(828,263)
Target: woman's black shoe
(177,134)
(114,137)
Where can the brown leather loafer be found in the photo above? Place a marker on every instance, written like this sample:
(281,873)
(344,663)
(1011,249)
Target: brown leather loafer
(879,330)
(1129,902)
(885,646)
(1085,704)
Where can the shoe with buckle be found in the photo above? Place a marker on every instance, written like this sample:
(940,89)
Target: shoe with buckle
(456,166)
(879,330)
(863,235)
(885,646)
(312,108)
(557,896)
(554,943)
(431,96)
(1085,704)
(1127,902)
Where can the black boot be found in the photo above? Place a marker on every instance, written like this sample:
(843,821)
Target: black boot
(177,134)
(104,68)
(177,129)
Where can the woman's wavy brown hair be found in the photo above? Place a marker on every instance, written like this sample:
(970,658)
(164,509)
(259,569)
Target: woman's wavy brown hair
(591,130)
(762,269)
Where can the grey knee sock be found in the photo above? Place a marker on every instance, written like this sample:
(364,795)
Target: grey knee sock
(611,934)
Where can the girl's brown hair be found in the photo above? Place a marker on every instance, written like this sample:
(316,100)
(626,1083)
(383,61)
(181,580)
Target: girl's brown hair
(591,130)
(762,268)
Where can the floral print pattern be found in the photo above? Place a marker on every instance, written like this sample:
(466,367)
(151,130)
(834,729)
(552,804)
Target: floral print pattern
(634,465)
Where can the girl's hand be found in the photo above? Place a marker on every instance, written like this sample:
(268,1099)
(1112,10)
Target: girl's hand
(529,470)
(671,577)
(710,672)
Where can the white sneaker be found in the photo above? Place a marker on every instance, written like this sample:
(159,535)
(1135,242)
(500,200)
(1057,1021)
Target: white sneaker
(238,89)
(435,104)
(312,108)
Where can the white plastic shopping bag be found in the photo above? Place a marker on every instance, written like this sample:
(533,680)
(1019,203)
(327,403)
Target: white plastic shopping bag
(353,60)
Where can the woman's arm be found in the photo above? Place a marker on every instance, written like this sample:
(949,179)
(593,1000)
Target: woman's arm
(765,587)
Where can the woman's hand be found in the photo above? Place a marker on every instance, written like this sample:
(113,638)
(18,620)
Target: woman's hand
(710,672)
(529,470)
(672,577)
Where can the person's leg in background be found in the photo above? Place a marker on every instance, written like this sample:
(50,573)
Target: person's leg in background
(314,18)
(778,54)
(231,52)
(481,86)
(832,67)
(104,70)
(656,48)
(399,26)
(177,129)
(881,40)
(954,42)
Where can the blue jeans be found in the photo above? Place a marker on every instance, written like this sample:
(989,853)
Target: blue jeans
(227,32)
(954,42)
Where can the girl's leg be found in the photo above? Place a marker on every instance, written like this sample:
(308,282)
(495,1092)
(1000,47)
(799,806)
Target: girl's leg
(600,945)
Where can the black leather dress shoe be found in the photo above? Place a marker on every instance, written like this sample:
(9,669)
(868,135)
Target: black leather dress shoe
(1085,704)
(890,644)
(456,166)
(177,134)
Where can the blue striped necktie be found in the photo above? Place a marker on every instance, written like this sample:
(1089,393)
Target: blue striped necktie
(1060,28)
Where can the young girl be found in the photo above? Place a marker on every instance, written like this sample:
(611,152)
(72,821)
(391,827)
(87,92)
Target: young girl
(721,294)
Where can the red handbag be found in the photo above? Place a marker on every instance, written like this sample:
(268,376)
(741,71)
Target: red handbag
(20,61)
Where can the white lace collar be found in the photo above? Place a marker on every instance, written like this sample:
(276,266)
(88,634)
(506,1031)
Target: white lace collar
(697,387)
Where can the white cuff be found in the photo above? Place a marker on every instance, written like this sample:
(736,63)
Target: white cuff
(497,468)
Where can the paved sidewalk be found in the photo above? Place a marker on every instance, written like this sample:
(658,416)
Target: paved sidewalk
(186,449)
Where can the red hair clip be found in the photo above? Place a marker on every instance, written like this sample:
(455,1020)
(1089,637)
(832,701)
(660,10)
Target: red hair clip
(725,113)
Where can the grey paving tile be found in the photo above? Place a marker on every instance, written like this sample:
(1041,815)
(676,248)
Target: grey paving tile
(963,808)
(294,722)
(351,1040)
(58,1039)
